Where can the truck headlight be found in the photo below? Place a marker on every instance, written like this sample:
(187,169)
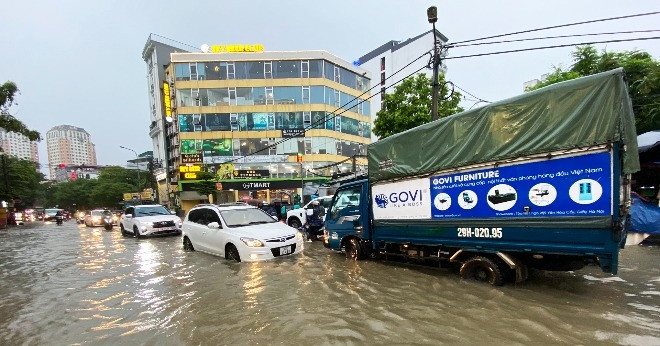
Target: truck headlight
(251,242)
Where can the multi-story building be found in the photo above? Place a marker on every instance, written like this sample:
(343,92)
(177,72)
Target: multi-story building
(68,146)
(247,114)
(162,130)
(393,56)
(16,144)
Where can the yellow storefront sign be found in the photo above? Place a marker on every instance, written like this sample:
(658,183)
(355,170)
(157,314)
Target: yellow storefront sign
(186,169)
(236,48)
(167,99)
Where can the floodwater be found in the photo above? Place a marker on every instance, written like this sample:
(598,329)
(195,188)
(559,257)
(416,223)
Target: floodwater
(75,285)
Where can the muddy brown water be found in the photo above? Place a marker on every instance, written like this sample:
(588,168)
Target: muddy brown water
(75,285)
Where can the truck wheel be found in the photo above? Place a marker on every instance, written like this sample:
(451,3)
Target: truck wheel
(295,223)
(482,269)
(353,250)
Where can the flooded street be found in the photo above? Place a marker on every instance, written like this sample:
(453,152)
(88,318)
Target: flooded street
(75,285)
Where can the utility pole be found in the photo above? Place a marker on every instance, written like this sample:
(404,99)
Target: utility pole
(432,14)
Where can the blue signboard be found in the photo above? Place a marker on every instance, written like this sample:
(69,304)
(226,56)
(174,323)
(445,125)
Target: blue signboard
(572,186)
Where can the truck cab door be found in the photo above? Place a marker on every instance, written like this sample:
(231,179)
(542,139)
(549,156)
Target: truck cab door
(347,215)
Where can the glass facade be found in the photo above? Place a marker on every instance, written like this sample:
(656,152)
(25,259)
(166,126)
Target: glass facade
(256,121)
(276,69)
(251,96)
(226,147)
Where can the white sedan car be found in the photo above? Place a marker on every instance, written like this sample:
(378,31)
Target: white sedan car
(239,232)
(149,220)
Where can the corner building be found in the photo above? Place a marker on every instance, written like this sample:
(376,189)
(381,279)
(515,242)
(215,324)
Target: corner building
(247,116)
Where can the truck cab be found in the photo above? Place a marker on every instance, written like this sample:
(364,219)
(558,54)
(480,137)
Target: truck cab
(347,222)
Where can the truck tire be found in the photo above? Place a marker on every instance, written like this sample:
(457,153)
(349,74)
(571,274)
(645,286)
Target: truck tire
(482,269)
(353,250)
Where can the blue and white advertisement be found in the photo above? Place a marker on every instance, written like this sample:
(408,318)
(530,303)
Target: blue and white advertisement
(570,186)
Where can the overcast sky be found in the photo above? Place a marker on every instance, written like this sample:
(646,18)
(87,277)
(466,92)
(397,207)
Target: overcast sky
(79,62)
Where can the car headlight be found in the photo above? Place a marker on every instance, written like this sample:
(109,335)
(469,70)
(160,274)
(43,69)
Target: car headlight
(299,236)
(251,242)
(115,218)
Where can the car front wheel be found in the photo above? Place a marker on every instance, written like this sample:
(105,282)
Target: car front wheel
(187,245)
(136,232)
(295,223)
(232,253)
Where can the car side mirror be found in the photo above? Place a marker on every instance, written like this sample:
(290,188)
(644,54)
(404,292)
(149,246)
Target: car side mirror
(213,225)
(128,216)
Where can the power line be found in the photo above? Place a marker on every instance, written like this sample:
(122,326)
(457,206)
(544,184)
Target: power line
(173,40)
(465,91)
(558,26)
(548,47)
(550,37)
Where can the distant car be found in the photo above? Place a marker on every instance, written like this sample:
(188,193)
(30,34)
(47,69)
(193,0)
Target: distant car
(238,232)
(95,217)
(49,214)
(149,220)
(297,218)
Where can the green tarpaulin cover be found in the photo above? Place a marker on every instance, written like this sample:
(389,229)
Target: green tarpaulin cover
(577,113)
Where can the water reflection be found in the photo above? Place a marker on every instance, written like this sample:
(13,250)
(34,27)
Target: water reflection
(72,285)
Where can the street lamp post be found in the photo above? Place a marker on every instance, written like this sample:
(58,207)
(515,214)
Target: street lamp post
(432,14)
(137,158)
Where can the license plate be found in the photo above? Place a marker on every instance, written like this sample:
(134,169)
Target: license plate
(285,250)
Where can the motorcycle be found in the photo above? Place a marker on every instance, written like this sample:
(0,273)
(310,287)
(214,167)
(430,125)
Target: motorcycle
(107,222)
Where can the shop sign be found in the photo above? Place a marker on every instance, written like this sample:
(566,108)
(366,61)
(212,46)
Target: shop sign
(248,159)
(251,173)
(233,48)
(291,133)
(193,168)
(191,158)
(167,99)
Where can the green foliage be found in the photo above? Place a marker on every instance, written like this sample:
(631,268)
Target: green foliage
(206,184)
(106,191)
(642,71)
(410,105)
(8,93)
(22,179)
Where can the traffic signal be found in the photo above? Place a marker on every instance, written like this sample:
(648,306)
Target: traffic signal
(299,158)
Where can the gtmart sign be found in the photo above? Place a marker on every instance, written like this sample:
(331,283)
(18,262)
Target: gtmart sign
(410,199)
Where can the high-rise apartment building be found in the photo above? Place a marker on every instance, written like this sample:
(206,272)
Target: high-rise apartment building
(70,146)
(16,144)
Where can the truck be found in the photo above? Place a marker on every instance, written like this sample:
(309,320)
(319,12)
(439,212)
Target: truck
(541,180)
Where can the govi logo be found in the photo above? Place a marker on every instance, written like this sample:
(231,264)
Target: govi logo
(381,201)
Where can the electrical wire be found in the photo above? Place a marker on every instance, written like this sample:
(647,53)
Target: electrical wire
(550,37)
(558,26)
(549,47)
(466,92)
(173,40)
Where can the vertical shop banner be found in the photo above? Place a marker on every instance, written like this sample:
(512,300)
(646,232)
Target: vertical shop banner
(571,186)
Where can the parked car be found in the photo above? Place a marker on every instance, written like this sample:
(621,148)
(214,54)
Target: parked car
(297,218)
(149,220)
(239,232)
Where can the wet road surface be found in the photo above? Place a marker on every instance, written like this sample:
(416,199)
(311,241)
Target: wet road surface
(75,285)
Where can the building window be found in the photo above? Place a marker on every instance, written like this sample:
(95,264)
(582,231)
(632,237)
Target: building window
(231,71)
(305,95)
(304,70)
(268,70)
(382,64)
(382,78)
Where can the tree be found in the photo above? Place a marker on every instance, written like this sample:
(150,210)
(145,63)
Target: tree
(642,72)
(9,122)
(19,178)
(410,105)
(206,184)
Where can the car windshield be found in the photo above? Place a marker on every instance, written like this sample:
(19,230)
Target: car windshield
(245,217)
(151,210)
(97,212)
(51,212)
